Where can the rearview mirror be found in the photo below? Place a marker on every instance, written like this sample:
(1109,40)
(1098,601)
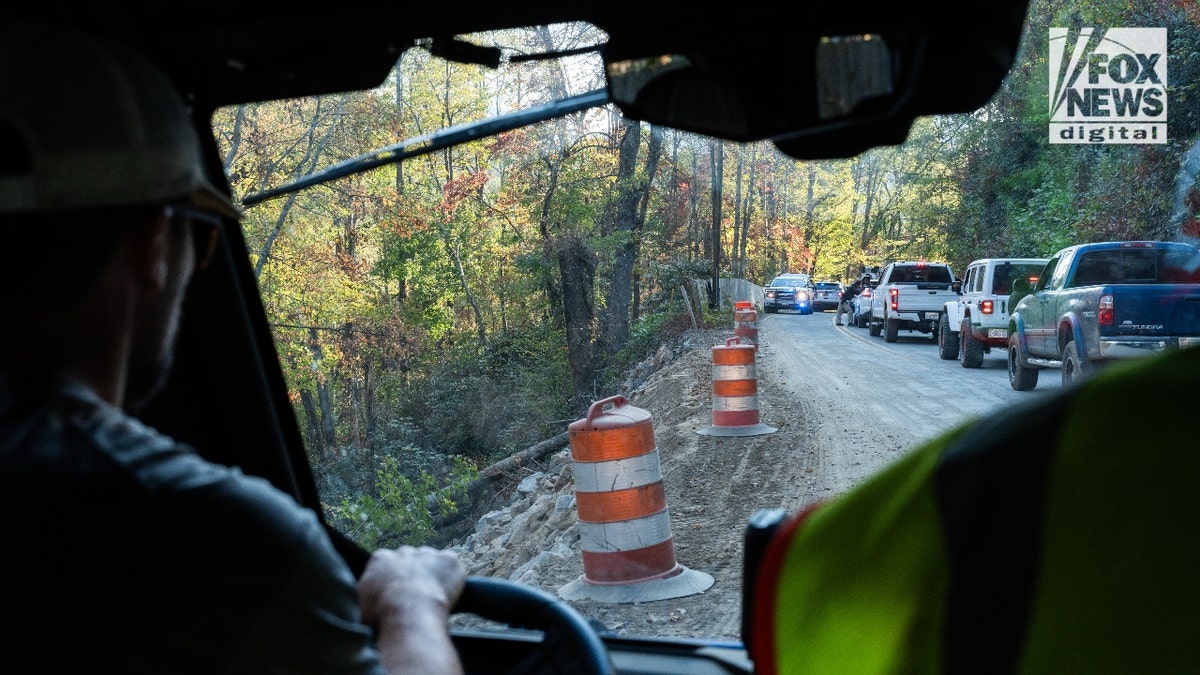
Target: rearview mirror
(815,96)
(829,79)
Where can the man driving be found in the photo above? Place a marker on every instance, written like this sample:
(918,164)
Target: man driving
(125,551)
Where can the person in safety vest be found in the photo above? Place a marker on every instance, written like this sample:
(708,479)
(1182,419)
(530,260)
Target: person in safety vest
(1062,535)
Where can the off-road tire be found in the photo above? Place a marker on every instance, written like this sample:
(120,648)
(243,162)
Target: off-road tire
(891,329)
(1074,368)
(860,321)
(874,327)
(1020,376)
(971,353)
(947,345)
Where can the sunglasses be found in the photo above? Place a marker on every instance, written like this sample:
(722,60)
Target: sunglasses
(206,229)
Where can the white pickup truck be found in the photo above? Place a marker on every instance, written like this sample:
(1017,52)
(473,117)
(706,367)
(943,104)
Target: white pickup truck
(911,296)
(977,319)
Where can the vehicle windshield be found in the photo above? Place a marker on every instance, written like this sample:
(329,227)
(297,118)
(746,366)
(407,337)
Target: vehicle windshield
(443,321)
(1010,272)
(1134,266)
(920,273)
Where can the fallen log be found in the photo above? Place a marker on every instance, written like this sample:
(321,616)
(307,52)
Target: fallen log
(490,475)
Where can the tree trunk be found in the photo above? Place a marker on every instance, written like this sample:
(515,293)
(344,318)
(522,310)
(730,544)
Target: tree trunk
(717,152)
(324,415)
(696,232)
(328,429)
(653,154)
(747,212)
(632,197)
(735,260)
(616,315)
(577,270)
(372,419)
(554,294)
(455,256)
(314,423)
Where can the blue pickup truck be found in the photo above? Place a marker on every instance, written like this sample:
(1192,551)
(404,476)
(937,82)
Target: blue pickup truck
(1098,302)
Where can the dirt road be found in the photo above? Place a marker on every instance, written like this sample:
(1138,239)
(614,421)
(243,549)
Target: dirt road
(842,404)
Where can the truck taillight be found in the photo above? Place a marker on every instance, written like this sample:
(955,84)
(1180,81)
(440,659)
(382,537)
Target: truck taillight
(894,294)
(986,306)
(1105,313)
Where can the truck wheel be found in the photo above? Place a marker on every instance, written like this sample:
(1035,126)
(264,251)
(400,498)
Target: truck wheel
(1020,376)
(891,329)
(873,327)
(947,344)
(972,348)
(860,321)
(1074,368)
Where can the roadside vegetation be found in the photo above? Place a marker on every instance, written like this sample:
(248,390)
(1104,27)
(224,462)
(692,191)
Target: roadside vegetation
(481,296)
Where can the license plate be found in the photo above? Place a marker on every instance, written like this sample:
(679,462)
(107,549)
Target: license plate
(997,332)
(932,316)
(1189,342)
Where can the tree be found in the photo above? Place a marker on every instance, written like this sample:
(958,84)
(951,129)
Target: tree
(632,195)
(717,154)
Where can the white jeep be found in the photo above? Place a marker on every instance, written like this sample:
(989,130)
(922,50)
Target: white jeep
(978,319)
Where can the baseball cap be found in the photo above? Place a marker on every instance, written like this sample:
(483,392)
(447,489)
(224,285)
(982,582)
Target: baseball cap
(91,124)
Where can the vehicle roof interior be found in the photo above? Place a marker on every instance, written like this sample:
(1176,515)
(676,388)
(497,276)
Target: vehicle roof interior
(226,52)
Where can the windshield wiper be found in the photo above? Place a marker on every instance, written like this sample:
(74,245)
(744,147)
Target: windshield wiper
(437,140)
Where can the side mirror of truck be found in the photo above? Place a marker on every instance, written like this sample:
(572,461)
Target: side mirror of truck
(956,286)
(762,526)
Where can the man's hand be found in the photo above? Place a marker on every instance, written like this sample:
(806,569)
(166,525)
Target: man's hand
(407,594)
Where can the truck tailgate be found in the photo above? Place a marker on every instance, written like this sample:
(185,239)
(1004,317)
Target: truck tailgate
(930,298)
(1155,310)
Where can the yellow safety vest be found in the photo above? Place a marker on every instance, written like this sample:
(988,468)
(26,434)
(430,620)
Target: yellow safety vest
(1062,536)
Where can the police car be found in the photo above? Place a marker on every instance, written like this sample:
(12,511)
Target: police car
(826,295)
(788,291)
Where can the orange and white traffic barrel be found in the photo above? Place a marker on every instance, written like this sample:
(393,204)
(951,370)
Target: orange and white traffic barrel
(745,322)
(624,524)
(735,391)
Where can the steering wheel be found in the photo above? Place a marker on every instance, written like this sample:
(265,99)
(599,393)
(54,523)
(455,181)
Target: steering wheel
(569,645)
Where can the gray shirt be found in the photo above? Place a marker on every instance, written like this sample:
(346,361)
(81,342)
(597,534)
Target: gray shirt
(124,551)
